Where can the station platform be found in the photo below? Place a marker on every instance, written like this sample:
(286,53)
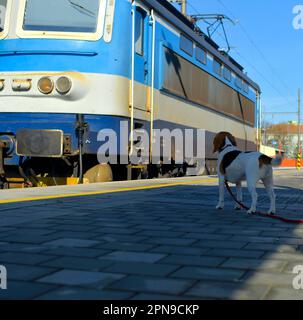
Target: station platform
(149,239)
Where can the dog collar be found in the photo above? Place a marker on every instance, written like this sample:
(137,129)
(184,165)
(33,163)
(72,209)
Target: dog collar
(222,149)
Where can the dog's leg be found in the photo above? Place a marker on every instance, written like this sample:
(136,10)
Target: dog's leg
(251,185)
(268,184)
(239,195)
(220,205)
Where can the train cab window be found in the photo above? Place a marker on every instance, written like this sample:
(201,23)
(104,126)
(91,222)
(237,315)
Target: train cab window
(186,45)
(201,55)
(217,67)
(79,16)
(239,82)
(245,87)
(139,32)
(3,6)
(227,74)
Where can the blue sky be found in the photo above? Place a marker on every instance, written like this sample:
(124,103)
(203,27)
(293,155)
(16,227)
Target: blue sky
(272,53)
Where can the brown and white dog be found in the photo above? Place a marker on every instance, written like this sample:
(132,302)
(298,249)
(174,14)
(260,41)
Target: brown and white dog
(235,166)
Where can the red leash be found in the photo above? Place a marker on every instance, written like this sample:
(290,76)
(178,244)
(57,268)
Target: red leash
(259,213)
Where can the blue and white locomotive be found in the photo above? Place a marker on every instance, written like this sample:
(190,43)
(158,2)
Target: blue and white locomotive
(69,68)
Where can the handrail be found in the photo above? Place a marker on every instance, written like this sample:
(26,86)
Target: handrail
(152,84)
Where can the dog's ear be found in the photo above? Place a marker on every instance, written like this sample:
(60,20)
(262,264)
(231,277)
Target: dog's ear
(219,141)
(232,139)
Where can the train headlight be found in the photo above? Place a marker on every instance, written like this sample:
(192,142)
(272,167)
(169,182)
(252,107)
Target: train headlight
(63,85)
(46,85)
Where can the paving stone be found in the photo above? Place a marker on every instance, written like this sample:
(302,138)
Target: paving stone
(152,284)
(221,244)
(272,279)
(271,247)
(171,241)
(20,290)
(179,250)
(23,258)
(73,293)
(69,242)
(222,290)
(207,236)
(158,297)
(75,235)
(120,238)
(200,273)
(31,239)
(133,256)
(26,273)
(254,264)
(141,268)
(286,256)
(235,253)
(78,263)
(81,278)
(76,252)
(284,294)
(193,260)
(121,246)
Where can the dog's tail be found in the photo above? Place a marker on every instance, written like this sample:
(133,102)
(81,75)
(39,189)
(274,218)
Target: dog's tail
(277,161)
(265,160)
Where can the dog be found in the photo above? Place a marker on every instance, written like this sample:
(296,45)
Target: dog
(236,166)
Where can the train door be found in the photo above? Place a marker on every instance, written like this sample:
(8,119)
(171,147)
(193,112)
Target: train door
(141,95)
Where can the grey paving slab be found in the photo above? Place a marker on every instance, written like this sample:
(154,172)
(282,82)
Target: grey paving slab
(20,290)
(81,278)
(236,253)
(151,296)
(284,294)
(26,272)
(199,273)
(179,250)
(273,279)
(70,242)
(177,246)
(254,264)
(142,268)
(71,293)
(152,284)
(75,252)
(221,244)
(126,246)
(23,258)
(77,263)
(193,260)
(231,291)
(133,256)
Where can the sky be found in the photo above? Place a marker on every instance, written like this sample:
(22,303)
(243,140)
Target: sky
(266,44)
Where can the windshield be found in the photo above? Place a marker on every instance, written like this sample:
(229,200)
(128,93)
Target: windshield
(3,5)
(61,15)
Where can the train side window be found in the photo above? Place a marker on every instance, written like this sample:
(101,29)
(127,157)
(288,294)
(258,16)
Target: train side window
(139,32)
(3,5)
(245,87)
(217,67)
(201,55)
(186,45)
(239,82)
(227,74)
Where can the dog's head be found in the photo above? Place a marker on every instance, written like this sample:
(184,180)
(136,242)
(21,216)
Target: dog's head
(222,139)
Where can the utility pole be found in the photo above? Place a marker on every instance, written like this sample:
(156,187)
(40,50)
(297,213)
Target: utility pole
(184,7)
(299,163)
(299,120)
(183,4)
